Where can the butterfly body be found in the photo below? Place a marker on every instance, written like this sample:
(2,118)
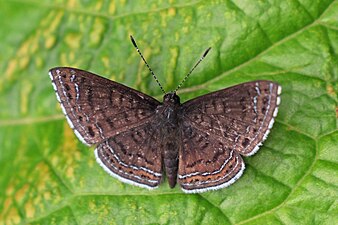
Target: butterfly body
(199,144)
(168,114)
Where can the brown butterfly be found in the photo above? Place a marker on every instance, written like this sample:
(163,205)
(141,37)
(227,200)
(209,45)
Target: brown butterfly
(198,144)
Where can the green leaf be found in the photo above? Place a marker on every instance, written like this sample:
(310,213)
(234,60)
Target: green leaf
(49,177)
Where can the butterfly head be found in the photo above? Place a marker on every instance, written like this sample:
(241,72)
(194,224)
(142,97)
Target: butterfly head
(171,98)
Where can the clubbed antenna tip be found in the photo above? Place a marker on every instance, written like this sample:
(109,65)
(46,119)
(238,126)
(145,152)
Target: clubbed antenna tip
(133,41)
(206,52)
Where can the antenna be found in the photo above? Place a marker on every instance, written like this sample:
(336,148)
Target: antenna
(192,69)
(144,60)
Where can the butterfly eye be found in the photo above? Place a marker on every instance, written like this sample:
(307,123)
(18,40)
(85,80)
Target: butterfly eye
(166,98)
(176,99)
(171,97)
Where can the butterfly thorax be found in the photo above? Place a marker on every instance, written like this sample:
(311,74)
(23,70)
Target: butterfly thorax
(169,131)
(170,107)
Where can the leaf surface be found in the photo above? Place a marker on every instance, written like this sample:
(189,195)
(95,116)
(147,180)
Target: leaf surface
(48,176)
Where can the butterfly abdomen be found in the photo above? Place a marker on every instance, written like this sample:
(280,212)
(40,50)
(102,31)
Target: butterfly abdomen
(170,157)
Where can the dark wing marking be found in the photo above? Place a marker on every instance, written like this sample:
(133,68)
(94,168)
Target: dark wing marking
(98,108)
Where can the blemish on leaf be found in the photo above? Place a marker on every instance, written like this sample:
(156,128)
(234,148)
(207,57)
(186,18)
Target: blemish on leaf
(105,61)
(10,68)
(70,172)
(47,195)
(55,160)
(24,96)
(163,20)
(21,193)
(71,56)
(98,5)
(67,58)
(63,58)
(24,48)
(34,47)
(12,217)
(71,4)
(23,62)
(8,203)
(50,41)
(171,66)
(92,205)
(10,190)
(42,171)
(69,139)
(112,7)
(171,11)
(188,20)
(29,210)
(330,90)
(96,35)
(73,40)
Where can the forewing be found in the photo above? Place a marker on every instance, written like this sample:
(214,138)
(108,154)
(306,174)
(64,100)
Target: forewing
(241,116)
(97,108)
(133,156)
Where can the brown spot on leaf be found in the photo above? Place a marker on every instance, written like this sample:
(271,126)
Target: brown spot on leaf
(330,90)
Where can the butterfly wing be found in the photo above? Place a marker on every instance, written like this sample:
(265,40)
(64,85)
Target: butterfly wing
(206,162)
(97,108)
(133,156)
(115,116)
(219,127)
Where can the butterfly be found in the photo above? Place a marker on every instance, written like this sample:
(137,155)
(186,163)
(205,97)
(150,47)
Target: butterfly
(199,144)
